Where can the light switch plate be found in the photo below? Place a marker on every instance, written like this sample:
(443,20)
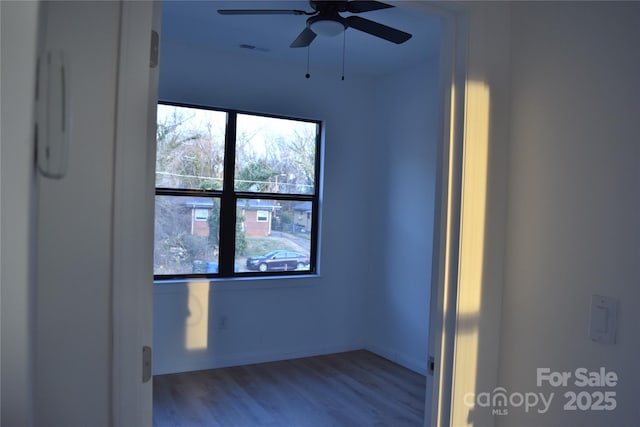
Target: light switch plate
(603,319)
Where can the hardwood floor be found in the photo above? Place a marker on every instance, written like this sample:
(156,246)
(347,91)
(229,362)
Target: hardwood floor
(347,389)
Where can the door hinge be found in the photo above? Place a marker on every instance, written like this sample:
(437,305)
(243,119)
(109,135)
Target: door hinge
(431,365)
(146,363)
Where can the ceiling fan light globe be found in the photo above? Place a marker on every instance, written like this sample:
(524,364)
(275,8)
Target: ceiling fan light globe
(326,27)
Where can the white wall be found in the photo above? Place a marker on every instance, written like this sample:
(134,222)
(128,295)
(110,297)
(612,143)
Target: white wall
(19,32)
(73,341)
(573,202)
(373,290)
(280,318)
(403,174)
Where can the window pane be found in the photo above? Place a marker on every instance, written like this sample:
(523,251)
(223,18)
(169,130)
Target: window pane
(280,240)
(190,148)
(185,243)
(275,155)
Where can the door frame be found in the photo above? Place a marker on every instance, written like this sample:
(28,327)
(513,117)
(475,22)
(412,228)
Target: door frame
(469,261)
(447,213)
(134,182)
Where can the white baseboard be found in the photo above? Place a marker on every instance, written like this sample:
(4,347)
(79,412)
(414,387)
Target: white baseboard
(411,363)
(205,361)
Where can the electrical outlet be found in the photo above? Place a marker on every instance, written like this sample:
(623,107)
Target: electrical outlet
(223,322)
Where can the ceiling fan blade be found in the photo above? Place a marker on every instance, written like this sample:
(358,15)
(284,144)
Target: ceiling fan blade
(304,39)
(262,12)
(377,29)
(366,6)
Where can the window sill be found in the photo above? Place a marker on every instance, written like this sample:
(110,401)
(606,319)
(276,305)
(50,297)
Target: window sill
(241,283)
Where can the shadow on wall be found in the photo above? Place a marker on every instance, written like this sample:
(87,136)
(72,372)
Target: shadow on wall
(182,313)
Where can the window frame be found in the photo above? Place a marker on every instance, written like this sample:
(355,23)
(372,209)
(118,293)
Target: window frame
(229,197)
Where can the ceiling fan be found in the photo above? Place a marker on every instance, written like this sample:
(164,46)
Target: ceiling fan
(326,20)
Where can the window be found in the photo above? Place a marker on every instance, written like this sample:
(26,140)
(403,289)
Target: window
(262,216)
(236,193)
(201,214)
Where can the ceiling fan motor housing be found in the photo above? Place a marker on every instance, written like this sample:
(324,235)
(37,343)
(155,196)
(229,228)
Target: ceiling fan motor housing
(327,25)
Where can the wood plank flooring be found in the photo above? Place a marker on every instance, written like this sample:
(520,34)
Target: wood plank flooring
(346,389)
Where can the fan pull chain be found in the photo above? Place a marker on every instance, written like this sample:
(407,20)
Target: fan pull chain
(308,56)
(344,46)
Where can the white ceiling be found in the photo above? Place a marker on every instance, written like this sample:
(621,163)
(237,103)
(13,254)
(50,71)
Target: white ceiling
(197,24)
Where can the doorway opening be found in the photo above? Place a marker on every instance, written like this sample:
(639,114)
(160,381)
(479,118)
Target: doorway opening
(372,183)
(375,284)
